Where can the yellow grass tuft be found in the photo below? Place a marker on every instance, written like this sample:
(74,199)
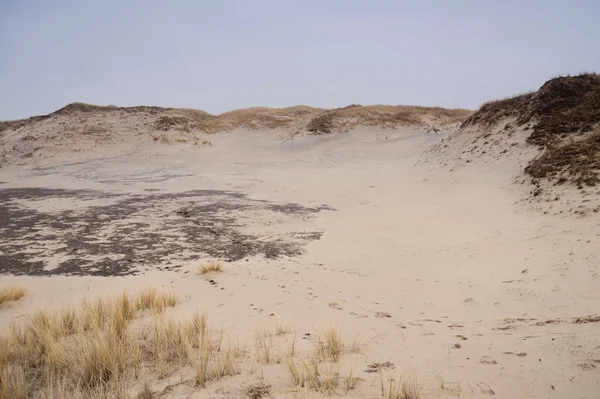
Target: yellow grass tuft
(155,301)
(91,350)
(351,381)
(265,347)
(296,373)
(401,388)
(318,368)
(12,294)
(210,267)
(320,376)
(330,344)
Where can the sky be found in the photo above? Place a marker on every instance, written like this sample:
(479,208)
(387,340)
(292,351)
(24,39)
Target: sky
(224,54)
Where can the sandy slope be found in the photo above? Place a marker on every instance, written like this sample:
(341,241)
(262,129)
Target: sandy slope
(442,271)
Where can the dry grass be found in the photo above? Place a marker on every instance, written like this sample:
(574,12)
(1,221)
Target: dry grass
(385,116)
(84,349)
(146,392)
(211,267)
(282,328)
(318,368)
(12,294)
(351,381)
(313,119)
(576,161)
(292,119)
(356,345)
(109,348)
(453,388)
(266,346)
(311,372)
(330,344)
(401,388)
(92,351)
(154,301)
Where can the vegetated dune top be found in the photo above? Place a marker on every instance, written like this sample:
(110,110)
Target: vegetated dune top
(563,119)
(315,120)
(562,106)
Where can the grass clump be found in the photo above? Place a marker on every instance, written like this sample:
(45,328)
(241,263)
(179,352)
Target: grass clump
(310,371)
(401,388)
(155,301)
(330,344)
(92,350)
(266,348)
(210,267)
(318,368)
(351,381)
(12,294)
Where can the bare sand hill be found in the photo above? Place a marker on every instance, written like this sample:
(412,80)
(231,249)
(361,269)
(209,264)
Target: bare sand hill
(401,262)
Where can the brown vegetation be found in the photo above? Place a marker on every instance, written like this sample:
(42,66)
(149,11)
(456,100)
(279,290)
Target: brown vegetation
(564,106)
(292,118)
(322,124)
(563,112)
(576,161)
(385,116)
(561,107)
(493,112)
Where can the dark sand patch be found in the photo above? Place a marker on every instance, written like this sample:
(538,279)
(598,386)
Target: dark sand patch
(120,234)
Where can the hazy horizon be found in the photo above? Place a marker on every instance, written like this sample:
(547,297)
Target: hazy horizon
(224,55)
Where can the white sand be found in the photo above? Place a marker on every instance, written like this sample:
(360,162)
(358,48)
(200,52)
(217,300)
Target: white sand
(443,253)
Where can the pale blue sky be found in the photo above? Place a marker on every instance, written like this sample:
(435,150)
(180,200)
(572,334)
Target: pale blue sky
(222,55)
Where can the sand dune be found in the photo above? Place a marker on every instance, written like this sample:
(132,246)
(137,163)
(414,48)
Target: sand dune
(87,128)
(419,235)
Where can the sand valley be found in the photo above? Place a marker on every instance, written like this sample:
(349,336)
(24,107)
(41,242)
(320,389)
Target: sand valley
(363,250)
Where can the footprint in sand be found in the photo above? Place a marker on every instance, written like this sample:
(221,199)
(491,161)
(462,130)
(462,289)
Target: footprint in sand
(377,367)
(212,282)
(487,360)
(485,389)
(520,354)
(590,364)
